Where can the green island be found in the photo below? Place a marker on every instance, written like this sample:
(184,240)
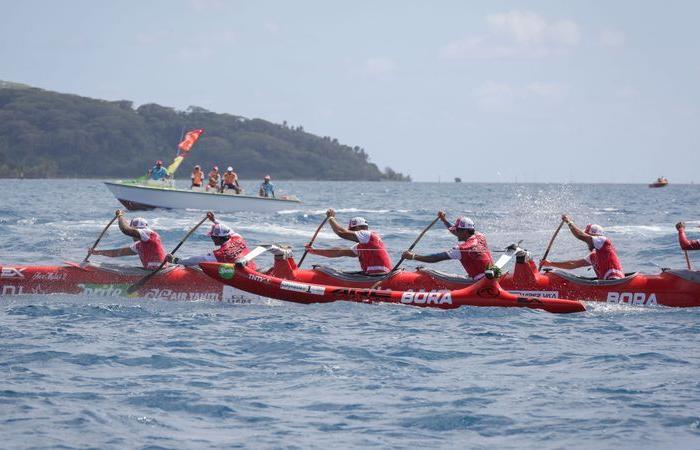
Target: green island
(45,134)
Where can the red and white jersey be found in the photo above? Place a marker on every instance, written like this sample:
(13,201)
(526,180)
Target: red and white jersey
(371,252)
(685,243)
(474,255)
(604,259)
(233,249)
(149,248)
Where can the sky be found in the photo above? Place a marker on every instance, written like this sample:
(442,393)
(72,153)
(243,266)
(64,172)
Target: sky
(490,91)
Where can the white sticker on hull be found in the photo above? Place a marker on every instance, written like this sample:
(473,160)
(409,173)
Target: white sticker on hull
(632,298)
(12,272)
(540,294)
(305,288)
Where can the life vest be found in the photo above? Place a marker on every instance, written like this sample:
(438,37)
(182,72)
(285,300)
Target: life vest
(197,177)
(230,178)
(233,249)
(373,256)
(605,262)
(475,255)
(151,252)
(213,178)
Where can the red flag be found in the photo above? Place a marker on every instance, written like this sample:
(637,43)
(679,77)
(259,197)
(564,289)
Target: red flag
(189,140)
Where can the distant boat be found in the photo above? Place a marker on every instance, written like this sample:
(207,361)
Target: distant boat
(660,182)
(458,180)
(137,196)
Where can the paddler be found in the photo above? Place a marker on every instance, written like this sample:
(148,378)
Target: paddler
(158,172)
(683,241)
(231,247)
(213,178)
(230,181)
(472,251)
(267,189)
(602,257)
(369,249)
(197,177)
(146,244)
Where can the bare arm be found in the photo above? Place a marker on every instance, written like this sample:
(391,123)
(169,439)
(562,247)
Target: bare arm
(684,242)
(341,231)
(577,232)
(126,251)
(448,225)
(569,265)
(436,257)
(332,252)
(126,228)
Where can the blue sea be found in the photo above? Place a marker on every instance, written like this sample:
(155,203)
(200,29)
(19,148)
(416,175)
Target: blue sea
(106,373)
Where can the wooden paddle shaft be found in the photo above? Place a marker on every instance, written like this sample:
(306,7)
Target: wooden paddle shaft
(99,238)
(687,260)
(311,242)
(549,247)
(420,236)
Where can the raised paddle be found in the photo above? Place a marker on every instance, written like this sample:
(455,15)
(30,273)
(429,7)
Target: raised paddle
(549,247)
(136,286)
(311,242)
(687,260)
(420,236)
(98,239)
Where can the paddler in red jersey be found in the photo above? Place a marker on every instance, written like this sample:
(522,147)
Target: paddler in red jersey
(231,247)
(369,250)
(683,241)
(603,256)
(472,250)
(147,243)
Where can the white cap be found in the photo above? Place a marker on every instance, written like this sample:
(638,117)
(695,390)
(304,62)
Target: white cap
(357,222)
(594,230)
(229,169)
(463,223)
(220,230)
(138,223)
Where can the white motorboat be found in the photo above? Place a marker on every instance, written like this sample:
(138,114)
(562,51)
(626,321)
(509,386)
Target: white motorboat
(150,195)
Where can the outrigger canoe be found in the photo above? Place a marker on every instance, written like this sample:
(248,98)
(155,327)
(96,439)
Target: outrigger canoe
(102,280)
(485,292)
(673,288)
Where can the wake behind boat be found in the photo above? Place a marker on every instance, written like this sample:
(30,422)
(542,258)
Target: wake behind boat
(135,195)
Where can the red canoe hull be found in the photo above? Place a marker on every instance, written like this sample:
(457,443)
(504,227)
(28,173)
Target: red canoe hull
(175,283)
(482,293)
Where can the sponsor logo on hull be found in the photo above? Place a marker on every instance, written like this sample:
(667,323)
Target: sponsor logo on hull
(12,272)
(11,290)
(300,287)
(227,271)
(540,294)
(427,298)
(632,298)
(49,276)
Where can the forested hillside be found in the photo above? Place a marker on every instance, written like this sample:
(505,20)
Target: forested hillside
(48,134)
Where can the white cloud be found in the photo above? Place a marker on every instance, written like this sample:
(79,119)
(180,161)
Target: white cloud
(378,67)
(516,34)
(612,38)
(495,96)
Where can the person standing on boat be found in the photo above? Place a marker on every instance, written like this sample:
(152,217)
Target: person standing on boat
(602,257)
(267,189)
(213,178)
(231,247)
(683,241)
(369,250)
(197,177)
(230,181)
(472,250)
(146,244)
(158,172)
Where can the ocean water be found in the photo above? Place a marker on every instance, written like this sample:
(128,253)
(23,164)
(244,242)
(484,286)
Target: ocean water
(130,373)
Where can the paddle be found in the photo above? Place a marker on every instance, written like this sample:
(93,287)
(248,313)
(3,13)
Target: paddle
(99,238)
(311,242)
(687,260)
(136,286)
(420,236)
(549,247)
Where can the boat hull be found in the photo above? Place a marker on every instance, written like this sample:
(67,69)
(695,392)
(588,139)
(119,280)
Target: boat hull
(672,288)
(140,197)
(484,293)
(174,283)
